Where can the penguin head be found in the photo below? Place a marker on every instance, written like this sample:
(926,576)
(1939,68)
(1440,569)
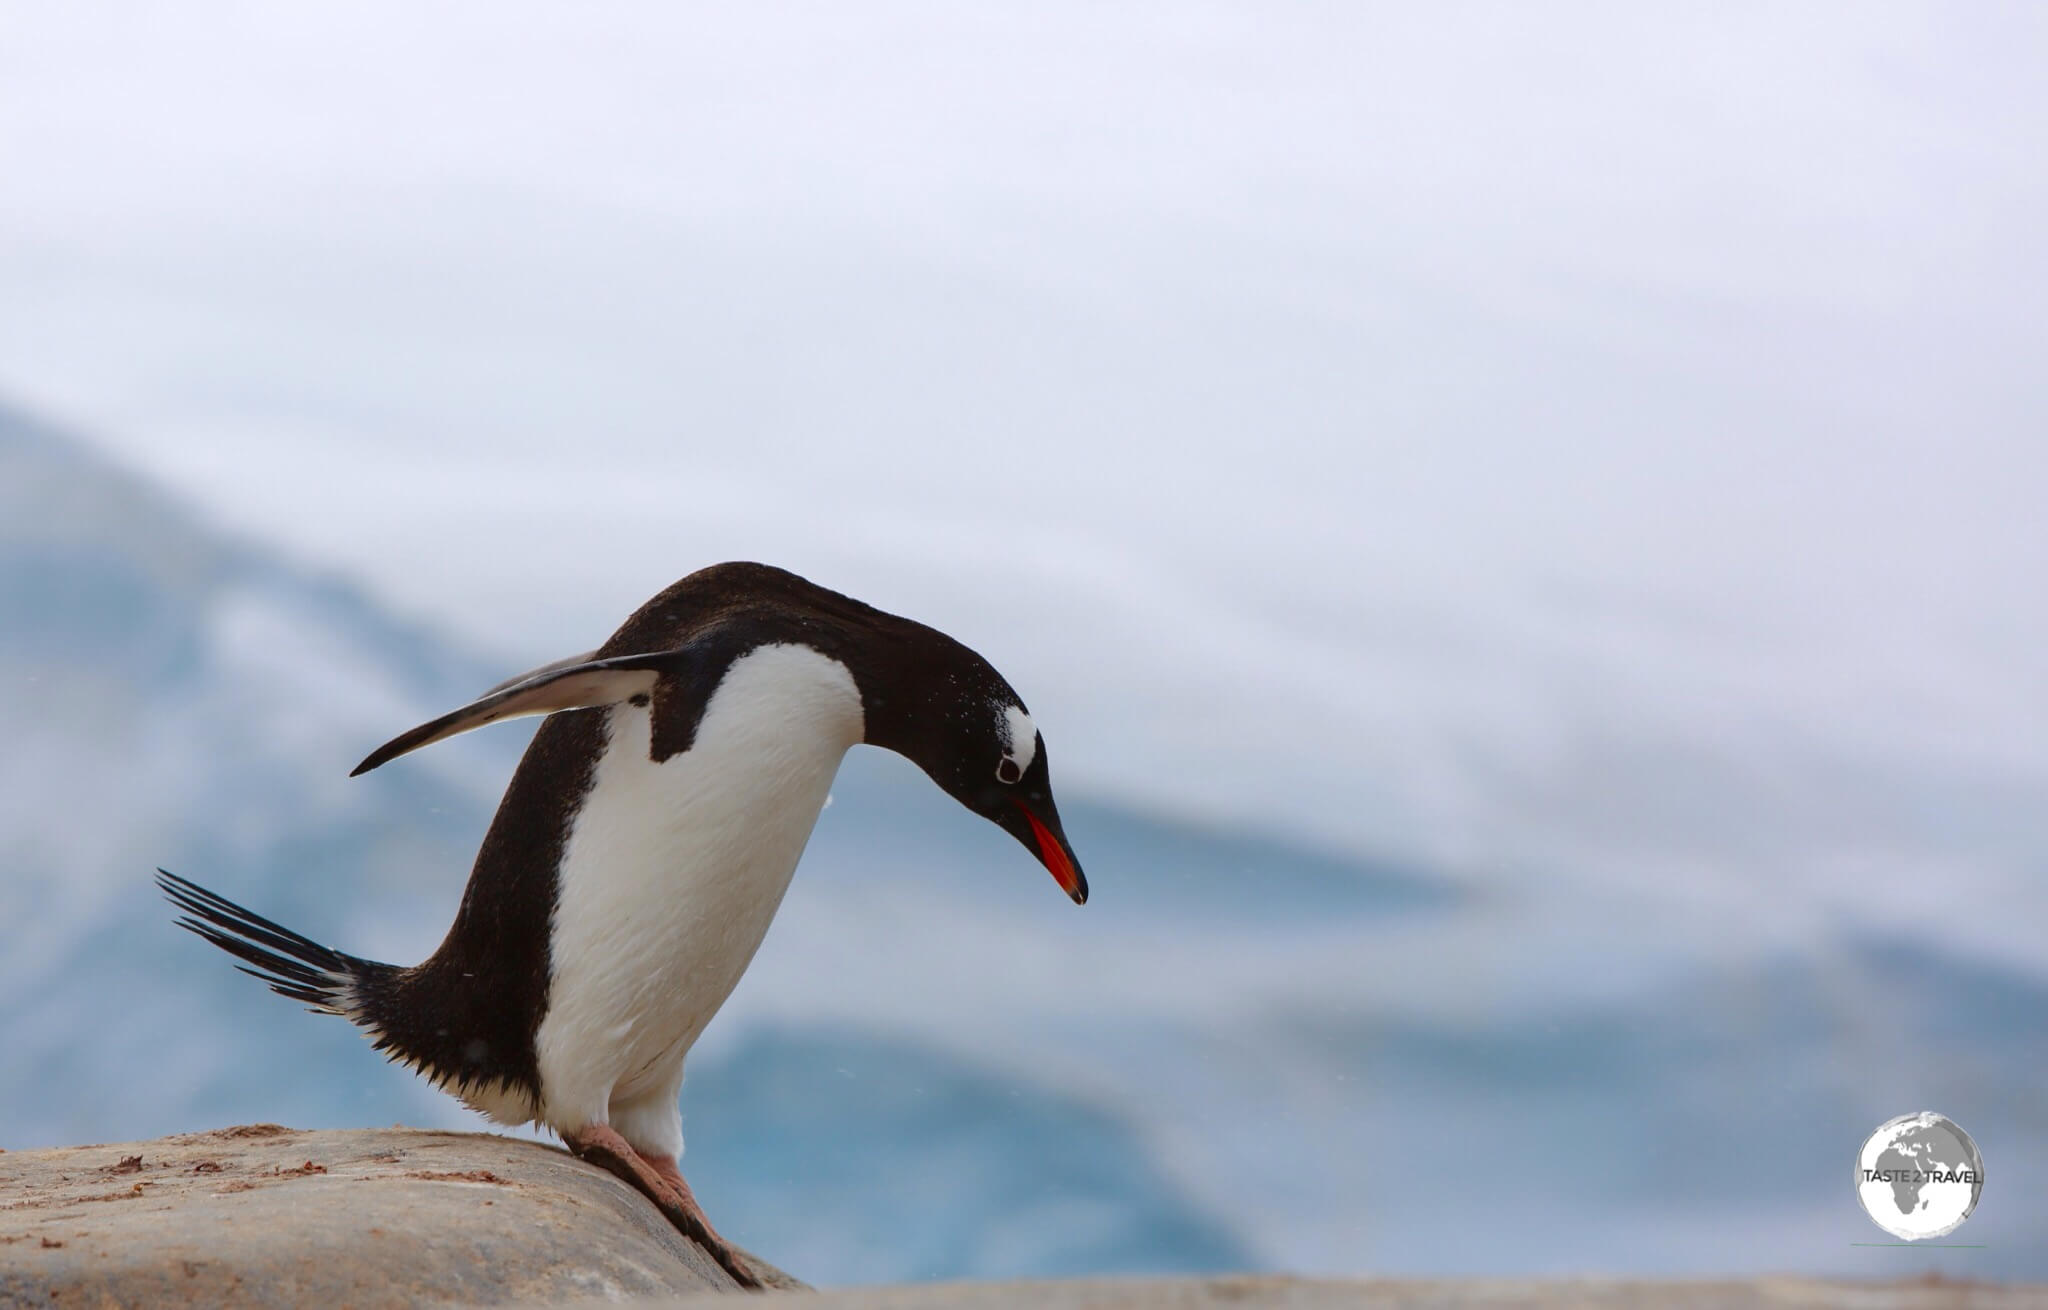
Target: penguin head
(1017,797)
(971,734)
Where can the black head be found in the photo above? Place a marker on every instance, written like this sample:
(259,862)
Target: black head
(923,694)
(940,705)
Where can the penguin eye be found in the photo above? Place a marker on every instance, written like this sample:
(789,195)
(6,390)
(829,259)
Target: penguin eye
(1008,771)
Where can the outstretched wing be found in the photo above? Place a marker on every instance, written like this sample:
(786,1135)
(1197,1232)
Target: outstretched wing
(572,684)
(562,665)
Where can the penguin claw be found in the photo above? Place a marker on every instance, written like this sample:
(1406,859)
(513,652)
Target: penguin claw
(660,1181)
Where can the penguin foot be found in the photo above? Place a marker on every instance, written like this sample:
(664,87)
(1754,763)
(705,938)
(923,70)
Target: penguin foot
(660,1181)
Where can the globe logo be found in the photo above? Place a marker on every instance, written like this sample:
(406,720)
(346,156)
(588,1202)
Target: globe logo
(1919,1176)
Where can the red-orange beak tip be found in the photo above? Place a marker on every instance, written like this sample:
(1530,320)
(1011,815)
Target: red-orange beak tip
(1052,852)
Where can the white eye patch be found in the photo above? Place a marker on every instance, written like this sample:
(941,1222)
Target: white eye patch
(1020,744)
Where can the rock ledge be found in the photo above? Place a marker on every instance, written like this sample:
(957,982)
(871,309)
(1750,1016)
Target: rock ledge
(267,1215)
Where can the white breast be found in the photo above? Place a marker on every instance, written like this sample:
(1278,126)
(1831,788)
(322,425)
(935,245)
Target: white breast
(672,872)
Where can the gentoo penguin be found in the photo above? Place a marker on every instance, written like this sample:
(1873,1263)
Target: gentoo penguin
(644,844)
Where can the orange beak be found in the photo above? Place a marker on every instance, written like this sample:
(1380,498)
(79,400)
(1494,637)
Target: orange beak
(1053,853)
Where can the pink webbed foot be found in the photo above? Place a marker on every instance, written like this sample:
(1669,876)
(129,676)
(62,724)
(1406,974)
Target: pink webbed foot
(660,1181)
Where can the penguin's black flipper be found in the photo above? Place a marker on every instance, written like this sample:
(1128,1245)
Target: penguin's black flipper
(563,685)
(551,667)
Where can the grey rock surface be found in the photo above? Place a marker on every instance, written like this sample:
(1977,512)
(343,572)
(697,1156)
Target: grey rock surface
(1281,1293)
(266,1215)
(270,1216)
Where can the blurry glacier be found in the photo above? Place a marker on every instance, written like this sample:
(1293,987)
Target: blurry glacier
(1241,1054)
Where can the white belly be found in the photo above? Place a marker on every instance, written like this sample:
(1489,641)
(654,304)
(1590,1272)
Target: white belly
(672,872)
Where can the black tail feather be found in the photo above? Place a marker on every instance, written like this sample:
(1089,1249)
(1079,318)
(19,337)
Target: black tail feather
(450,1029)
(291,965)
